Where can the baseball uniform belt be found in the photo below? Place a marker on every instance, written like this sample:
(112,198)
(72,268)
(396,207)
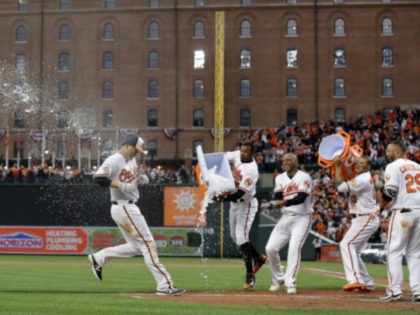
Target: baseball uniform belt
(122,202)
(405,210)
(358,215)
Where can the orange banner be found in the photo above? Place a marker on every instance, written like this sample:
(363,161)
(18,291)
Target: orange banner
(330,253)
(182,206)
(43,240)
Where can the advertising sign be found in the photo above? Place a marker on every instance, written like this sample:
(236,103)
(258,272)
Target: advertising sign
(43,240)
(182,206)
(169,241)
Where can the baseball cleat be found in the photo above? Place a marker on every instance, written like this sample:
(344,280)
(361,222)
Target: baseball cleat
(250,281)
(171,292)
(415,298)
(389,297)
(355,286)
(291,289)
(276,286)
(259,262)
(96,269)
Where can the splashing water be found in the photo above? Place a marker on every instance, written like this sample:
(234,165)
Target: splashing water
(217,185)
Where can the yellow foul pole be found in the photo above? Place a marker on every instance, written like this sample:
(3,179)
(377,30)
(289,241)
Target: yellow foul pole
(219,100)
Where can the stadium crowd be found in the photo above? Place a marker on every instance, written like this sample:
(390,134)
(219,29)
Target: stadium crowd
(371,133)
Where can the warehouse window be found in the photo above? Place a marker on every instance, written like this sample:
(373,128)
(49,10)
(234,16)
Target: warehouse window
(21,33)
(19,122)
(152,118)
(153,89)
(339,88)
(245,58)
(63,62)
(110,4)
(387,59)
(339,58)
(292,88)
(291,28)
(199,29)
(245,28)
(64,5)
(245,88)
(198,89)
(292,61)
(292,116)
(64,32)
(387,26)
(108,31)
(108,90)
(154,30)
(199,59)
(63,119)
(107,118)
(387,88)
(153,60)
(63,90)
(20,63)
(152,148)
(108,60)
(245,118)
(198,118)
(340,114)
(339,27)
(154,3)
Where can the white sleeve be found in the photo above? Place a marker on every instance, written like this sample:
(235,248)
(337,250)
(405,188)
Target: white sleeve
(343,187)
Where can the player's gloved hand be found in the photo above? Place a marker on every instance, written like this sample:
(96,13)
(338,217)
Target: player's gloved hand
(221,197)
(127,187)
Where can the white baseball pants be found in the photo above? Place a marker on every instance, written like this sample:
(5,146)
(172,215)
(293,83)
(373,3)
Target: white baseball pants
(403,238)
(293,230)
(351,245)
(139,239)
(241,216)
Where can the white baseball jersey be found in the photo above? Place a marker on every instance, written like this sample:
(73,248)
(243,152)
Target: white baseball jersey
(117,168)
(362,189)
(404,176)
(404,228)
(293,227)
(131,221)
(290,187)
(248,173)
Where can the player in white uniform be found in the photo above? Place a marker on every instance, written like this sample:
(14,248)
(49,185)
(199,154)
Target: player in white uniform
(243,207)
(293,192)
(119,172)
(365,221)
(402,194)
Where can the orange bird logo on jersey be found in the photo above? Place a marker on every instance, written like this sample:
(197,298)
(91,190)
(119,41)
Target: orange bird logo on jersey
(290,189)
(126,176)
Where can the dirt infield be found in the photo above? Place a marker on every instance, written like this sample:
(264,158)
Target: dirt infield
(305,299)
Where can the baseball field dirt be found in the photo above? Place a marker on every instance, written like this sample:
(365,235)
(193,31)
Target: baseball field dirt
(304,299)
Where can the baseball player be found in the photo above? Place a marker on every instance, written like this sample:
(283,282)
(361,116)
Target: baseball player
(119,173)
(293,192)
(365,221)
(402,194)
(243,208)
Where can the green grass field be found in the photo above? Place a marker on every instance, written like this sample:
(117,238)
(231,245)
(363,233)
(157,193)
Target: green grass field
(64,285)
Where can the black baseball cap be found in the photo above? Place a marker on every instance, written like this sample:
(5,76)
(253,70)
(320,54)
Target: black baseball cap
(136,142)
